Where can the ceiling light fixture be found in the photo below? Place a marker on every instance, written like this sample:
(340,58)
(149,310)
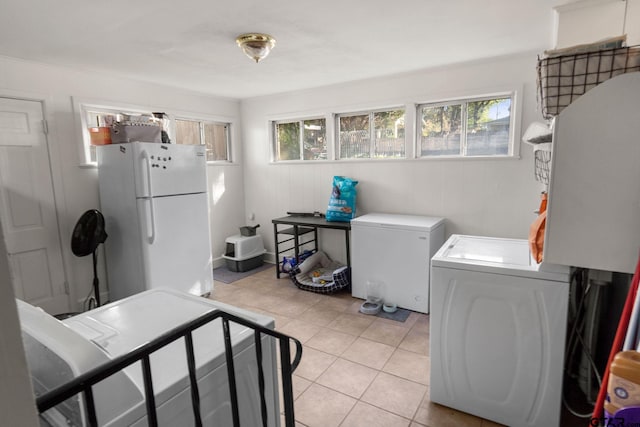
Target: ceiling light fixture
(255,45)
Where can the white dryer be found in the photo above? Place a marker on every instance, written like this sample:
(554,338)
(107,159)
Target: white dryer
(59,351)
(497,331)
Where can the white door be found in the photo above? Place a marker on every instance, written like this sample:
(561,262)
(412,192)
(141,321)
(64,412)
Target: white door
(27,207)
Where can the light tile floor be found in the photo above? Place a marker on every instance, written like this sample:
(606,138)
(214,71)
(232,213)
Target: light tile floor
(356,370)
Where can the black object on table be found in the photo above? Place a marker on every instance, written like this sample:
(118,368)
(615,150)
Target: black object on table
(301,225)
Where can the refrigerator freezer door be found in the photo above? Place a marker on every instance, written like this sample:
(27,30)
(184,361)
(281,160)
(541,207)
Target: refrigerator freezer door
(168,169)
(175,243)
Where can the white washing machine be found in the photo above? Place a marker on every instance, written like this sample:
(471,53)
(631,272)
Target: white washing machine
(59,351)
(497,331)
(395,250)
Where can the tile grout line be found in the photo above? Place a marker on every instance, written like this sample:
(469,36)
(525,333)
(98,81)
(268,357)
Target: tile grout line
(346,309)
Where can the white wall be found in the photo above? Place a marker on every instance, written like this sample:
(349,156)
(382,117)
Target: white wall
(482,197)
(588,21)
(76,187)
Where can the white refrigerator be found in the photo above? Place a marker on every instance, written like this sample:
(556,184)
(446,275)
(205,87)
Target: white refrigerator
(154,200)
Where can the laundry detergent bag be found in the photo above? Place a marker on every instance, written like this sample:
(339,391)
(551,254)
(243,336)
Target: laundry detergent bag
(342,204)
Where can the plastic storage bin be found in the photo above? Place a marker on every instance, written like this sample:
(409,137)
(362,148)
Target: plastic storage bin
(243,253)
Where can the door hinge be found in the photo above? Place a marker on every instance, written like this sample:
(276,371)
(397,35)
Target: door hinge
(45,127)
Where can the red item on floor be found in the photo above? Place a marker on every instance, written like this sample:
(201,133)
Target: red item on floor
(617,343)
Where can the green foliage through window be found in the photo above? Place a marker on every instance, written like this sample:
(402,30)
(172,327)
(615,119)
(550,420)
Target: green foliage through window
(300,139)
(473,127)
(373,135)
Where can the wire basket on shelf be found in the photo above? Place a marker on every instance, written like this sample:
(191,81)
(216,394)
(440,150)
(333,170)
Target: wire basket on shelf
(542,164)
(564,78)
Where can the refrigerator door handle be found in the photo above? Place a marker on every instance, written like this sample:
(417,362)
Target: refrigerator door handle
(147,162)
(152,217)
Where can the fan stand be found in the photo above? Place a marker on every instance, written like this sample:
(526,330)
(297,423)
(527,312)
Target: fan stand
(96,281)
(86,238)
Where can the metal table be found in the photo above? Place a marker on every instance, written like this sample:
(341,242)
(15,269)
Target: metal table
(301,225)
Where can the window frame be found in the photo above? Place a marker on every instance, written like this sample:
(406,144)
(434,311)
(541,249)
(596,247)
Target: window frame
(513,150)
(82,106)
(273,137)
(371,113)
(202,120)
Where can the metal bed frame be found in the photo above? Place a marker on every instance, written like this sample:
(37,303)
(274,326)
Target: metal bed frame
(83,383)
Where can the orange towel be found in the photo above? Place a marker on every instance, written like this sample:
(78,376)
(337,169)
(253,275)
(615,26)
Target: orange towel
(536,231)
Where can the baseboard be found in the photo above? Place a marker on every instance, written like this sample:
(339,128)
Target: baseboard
(268,257)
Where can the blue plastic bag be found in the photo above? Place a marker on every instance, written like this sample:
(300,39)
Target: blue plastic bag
(342,204)
(290,263)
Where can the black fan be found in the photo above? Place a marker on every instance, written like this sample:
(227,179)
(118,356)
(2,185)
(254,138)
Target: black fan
(87,235)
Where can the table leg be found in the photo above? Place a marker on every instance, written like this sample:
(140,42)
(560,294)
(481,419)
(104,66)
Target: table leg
(275,242)
(315,238)
(346,239)
(296,243)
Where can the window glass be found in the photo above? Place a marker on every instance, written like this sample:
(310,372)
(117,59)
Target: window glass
(187,132)
(470,127)
(300,139)
(288,140)
(488,127)
(441,127)
(215,138)
(355,137)
(372,135)
(99,123)
(389,134)
(315,139)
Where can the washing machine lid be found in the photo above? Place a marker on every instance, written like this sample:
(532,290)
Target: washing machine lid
(405,222)
(126,324)
(495,255)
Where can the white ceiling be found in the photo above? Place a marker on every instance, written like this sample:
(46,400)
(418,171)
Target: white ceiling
(191,43)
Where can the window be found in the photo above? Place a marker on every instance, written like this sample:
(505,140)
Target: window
(96,119)
(300,139)
(97,122)
(214,135)
(472,127)
(371,135)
